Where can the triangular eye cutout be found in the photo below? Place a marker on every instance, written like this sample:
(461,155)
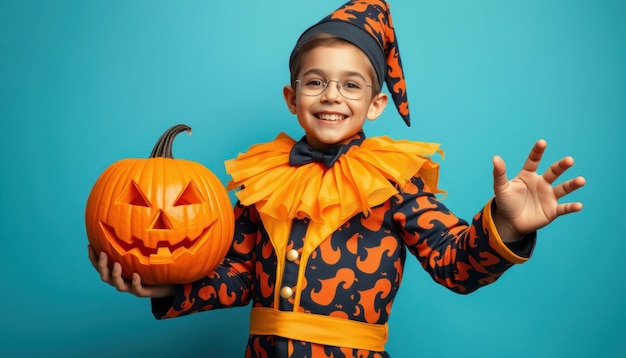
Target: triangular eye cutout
(132,195)
(190,195)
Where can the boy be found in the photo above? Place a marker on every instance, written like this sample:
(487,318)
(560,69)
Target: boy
(323,224)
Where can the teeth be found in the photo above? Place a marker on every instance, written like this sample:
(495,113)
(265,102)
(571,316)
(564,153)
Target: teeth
(331,117)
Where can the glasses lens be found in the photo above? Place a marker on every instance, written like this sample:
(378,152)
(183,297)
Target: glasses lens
(352,89)
(312,86)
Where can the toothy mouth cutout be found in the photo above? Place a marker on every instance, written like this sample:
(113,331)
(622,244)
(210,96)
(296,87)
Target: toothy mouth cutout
(163,248)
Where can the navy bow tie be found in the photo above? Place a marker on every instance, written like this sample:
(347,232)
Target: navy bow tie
(302,153)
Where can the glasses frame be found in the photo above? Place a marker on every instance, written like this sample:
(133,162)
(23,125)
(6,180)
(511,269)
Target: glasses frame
(339,87)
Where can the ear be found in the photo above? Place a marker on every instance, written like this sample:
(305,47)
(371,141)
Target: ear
(289,94)
(378,104)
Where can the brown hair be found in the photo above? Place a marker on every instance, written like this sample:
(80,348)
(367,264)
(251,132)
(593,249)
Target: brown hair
(324,40)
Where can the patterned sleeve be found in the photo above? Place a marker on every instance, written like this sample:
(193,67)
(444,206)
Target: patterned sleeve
(228,286)
(458,256)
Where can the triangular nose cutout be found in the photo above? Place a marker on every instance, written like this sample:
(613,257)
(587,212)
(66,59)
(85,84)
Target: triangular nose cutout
(161,222)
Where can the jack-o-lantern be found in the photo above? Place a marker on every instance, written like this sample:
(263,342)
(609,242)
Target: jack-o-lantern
(170,220)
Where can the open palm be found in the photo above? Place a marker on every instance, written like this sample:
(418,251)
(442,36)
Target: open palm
(530,201)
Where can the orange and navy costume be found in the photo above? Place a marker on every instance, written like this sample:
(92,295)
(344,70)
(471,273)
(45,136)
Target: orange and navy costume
(334,251)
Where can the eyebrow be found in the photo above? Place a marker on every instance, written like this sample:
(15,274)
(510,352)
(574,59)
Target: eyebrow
(317,71)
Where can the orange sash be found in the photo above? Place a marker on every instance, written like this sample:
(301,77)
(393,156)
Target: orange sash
(326,330)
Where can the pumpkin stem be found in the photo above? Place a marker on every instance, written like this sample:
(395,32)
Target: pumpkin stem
(163,147)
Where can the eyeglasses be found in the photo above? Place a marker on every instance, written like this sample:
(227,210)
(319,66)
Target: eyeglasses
(350,89)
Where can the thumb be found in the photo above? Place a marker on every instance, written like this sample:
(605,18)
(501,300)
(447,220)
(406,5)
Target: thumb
(500,181)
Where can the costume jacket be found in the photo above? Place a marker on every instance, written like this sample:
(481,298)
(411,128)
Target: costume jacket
(317,247)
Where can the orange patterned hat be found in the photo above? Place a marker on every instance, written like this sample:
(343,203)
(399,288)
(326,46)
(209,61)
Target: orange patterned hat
(367,24)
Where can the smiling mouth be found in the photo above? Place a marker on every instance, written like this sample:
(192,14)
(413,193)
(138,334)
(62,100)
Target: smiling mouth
(163,248)
(330,117)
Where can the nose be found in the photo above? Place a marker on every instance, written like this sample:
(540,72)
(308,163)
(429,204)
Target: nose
(332,92)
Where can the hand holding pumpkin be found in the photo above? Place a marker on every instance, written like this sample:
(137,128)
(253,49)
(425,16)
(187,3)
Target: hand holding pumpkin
(158,220)
(114,278)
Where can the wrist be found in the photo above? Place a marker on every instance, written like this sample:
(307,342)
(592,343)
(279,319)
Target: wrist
(506,230)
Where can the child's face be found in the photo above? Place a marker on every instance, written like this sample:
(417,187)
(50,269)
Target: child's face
(329,118)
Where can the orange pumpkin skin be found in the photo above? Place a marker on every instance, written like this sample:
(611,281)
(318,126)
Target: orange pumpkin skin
(169,220)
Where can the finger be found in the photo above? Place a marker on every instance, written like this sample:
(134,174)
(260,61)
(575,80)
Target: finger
(116,277)
(137,288)
(92,256)
(568,208)
(557,169)
(568,187)
(103,267)
(534,157)
(499,173)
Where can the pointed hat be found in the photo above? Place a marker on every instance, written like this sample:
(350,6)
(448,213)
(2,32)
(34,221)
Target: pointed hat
(367,24)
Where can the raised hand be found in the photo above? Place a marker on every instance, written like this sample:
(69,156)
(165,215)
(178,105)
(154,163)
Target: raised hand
(530,201)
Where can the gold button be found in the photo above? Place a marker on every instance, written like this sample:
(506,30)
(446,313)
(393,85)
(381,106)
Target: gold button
(292,255)
(286,292)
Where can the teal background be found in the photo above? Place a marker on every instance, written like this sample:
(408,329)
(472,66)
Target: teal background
(86,83)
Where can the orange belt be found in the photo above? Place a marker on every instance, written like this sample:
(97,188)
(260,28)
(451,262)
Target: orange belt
(326,330)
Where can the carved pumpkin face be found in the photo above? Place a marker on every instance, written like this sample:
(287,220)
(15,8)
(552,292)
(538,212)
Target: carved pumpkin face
(170,220)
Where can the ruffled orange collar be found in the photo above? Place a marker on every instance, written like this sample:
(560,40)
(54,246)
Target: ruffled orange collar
(365,176)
